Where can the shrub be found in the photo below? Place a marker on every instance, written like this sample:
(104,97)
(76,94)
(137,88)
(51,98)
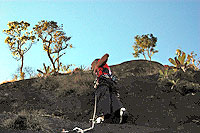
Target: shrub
(183,82)
(183,63)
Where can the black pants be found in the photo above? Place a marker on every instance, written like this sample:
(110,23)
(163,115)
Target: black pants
(107,101)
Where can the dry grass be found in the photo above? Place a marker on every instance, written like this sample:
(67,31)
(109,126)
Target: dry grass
(8,81)
(32,120)
(79,83)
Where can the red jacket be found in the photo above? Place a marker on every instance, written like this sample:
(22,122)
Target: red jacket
(103,70)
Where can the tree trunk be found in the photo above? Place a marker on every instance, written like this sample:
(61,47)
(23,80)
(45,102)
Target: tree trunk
(21,68)
(148,54)
(144,56)
(48,53)
(58,61)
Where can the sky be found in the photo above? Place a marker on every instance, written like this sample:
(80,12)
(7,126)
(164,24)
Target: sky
(107,26)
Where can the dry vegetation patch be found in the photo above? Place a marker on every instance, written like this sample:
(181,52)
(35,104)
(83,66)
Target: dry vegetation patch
(27,119)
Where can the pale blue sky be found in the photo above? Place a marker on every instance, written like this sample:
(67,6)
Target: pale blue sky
(99,27)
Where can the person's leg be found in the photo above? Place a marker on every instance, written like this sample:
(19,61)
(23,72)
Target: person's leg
(120,114)
(116,103)
(103,102)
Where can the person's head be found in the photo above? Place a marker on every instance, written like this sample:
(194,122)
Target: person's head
(94,63)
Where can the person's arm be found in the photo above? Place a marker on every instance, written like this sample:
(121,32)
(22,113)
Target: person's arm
(102,61)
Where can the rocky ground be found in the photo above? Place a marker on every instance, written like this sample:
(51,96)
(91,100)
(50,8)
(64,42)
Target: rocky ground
(49,104)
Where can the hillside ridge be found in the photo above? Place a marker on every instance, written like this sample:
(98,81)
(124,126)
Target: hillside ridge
(66,101)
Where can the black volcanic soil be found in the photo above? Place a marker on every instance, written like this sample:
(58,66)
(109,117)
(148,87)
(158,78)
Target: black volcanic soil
(67,101)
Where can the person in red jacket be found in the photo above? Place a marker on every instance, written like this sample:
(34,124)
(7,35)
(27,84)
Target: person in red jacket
(109,106)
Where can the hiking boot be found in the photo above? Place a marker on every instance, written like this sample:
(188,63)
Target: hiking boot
(123,116)
(99,119)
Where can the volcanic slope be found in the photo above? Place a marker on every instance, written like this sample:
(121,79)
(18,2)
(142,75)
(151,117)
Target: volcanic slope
(56,102)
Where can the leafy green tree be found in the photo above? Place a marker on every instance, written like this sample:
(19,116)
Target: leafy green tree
(54,41)
(19,40)
(145,45)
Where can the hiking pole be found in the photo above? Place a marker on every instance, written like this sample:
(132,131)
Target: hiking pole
(79,130)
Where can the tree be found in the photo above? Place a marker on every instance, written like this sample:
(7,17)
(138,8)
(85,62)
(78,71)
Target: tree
(54,41)
(19,40)
(145,44)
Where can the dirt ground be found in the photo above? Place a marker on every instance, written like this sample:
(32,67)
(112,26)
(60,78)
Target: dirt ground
(52,103)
